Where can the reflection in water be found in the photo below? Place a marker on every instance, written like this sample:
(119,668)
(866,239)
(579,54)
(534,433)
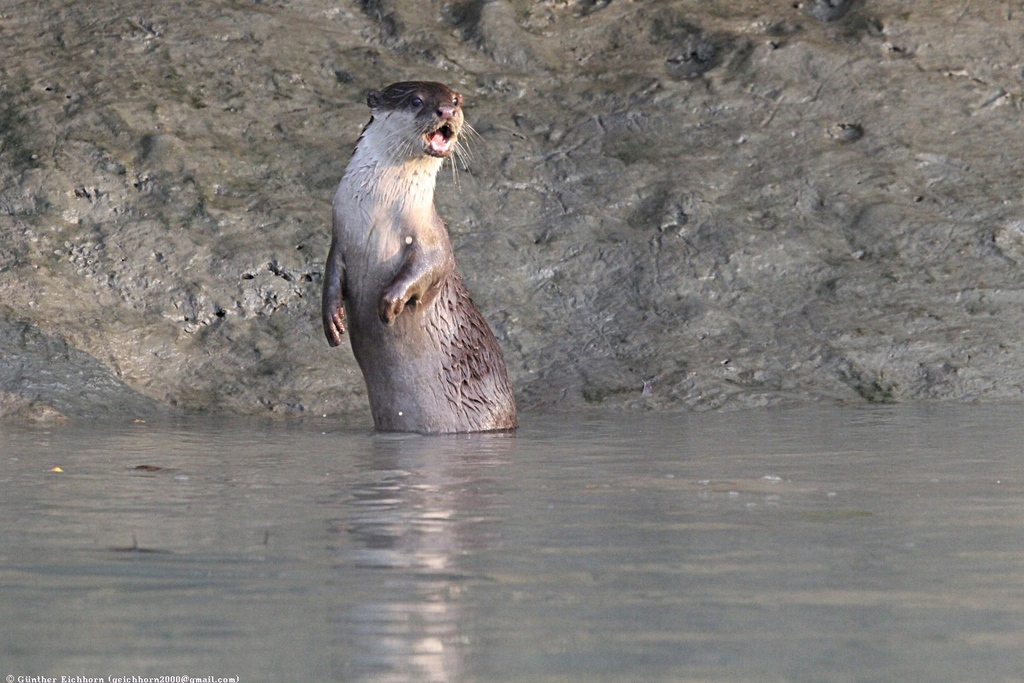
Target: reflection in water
(817,545)
(411,515)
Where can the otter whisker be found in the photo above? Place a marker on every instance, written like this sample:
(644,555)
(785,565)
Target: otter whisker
(462,153)
(469,133)
(400,149)
(406,149)
(455,164)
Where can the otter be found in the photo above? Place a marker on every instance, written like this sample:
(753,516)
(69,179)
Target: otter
(430,362)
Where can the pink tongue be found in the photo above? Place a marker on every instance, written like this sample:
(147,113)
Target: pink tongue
(438,143)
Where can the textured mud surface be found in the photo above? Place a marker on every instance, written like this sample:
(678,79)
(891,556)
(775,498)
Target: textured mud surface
(672,204)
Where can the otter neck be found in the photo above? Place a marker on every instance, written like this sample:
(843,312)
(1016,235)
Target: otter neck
(390,172)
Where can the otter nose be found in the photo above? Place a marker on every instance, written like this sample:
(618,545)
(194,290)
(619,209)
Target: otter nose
(446,111)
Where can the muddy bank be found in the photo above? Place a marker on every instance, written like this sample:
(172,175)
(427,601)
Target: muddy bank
(674,205)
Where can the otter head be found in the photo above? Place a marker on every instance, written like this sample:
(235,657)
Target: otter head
(430,112)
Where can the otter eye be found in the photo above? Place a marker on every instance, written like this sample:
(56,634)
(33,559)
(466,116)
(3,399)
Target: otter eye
(416,102)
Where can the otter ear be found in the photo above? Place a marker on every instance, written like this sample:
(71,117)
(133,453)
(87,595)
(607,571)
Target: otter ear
(374,99)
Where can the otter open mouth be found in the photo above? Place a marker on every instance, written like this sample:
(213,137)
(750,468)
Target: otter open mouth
(441,141)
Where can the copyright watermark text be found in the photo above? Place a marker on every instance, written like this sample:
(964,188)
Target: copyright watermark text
(122,679)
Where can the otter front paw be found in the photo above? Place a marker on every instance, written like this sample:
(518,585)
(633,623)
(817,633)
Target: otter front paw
(334,326)
(391,307)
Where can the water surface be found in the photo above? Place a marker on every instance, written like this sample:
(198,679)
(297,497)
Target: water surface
(815,544)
